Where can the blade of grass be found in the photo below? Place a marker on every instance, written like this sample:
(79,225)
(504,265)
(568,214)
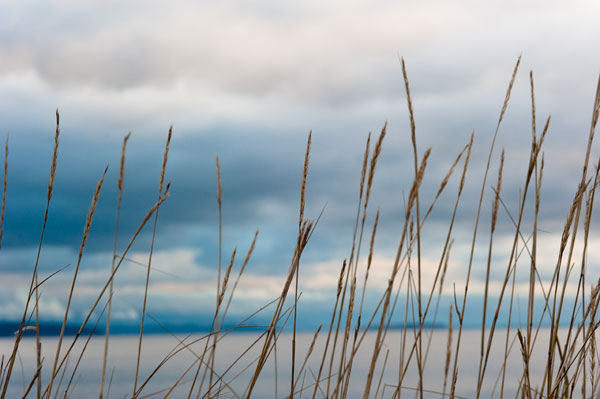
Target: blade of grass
(114,257)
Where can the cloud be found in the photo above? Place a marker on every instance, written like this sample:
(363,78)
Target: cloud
(247,81)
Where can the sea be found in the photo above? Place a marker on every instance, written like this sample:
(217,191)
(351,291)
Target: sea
(171,366)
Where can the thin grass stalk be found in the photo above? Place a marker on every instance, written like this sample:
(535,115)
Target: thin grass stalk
(580,285)
(448,351)
(242,269)
(218,293)
(114,257)
(160,193)
(569,359)
(285,315)
(546,295)
(369,263)
(395,269)
(387,353)
(276,366)
(489,263)
(592,130)
(554,284)
(445,255)
(187,346)
(592,352)
(531,293)
(215,326)
(303,237)
(362,298)
(350,310)
(214,331)
(403,339)
(62,377)
(437,305)
(300,221)
(85,345)
(86,230)
(512,258)
(593,349)
(337,298)
(413,137)
(220,205)
(344,346)
(386,317)
(448,242)
(508,326)
(372,318)
(2,369)
(532,275)
(475,229)
(34,283)
(351,259)
(107,284)
(36,377)
(310,350)
(337,328)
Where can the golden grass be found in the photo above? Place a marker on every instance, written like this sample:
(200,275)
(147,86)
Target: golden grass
(571,366)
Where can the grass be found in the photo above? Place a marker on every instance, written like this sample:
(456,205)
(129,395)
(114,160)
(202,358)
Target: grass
(325,369)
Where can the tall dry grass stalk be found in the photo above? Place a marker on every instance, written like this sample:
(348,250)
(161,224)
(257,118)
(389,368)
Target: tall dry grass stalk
(475,229)
(114,258)
(160,194)
(86,231)
(34,279)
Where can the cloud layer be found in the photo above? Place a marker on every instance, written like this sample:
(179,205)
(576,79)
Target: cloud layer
(247,82)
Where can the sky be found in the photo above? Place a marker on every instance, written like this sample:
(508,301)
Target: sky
(247,81)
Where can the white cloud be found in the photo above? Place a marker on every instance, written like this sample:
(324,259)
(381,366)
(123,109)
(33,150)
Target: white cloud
(205,62)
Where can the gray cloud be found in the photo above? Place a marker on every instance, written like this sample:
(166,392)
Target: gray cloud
(247,82)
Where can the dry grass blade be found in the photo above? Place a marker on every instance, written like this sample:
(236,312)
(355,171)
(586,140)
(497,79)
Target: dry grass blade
(241,272)
(219,203)
(475,229)
(374,158)
(303,182)
(441,269)
(413,138)
(448,350)
(303,236)
(160,194)
(388,292)
(107,284)
(489,264)
(114,257)
(352,270)
(224,284)
(85,345)
(86,231)
(34,277)
(344,372)
(216,325)
(333,314)
(310,350)
(301,223)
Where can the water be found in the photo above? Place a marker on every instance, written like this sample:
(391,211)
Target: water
(85,382)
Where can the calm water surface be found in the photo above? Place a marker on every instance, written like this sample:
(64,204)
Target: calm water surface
(85,382)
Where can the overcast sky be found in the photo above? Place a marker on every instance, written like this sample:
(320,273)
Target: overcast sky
(248,80)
